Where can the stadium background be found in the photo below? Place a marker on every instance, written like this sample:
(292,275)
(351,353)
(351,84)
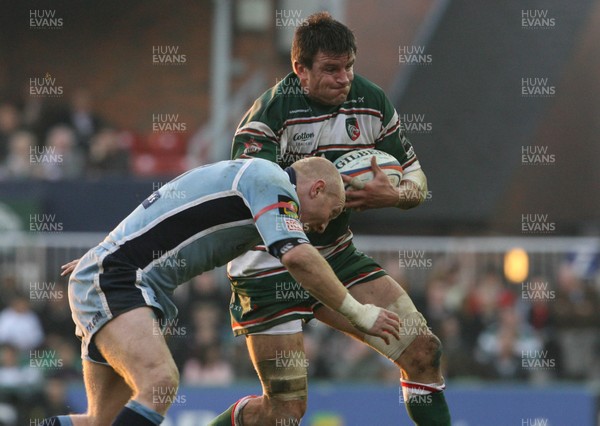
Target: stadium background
(101,103)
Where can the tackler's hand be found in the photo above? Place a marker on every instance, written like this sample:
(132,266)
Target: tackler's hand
(67,268)
(371,319)
(386,324)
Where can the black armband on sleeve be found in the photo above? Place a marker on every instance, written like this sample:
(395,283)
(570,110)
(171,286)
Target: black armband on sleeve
(279,248)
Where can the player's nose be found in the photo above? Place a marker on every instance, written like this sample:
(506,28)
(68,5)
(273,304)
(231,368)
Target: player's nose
(343,77)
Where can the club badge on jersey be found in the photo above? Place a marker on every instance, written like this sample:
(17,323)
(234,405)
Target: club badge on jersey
(352,128)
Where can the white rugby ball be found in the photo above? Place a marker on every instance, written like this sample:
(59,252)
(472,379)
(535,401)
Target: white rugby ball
(357,164)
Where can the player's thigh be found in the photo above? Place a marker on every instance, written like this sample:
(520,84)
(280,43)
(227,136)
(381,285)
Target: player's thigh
(264,347)
(382,291)
(106,392)
(134,346)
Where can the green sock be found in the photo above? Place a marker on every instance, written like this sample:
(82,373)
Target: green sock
(429,410)
(224,419)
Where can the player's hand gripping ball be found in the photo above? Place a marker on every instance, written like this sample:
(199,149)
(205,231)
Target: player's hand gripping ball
(357,165)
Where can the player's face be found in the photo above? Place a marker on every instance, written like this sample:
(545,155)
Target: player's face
(317,212)
(328,81)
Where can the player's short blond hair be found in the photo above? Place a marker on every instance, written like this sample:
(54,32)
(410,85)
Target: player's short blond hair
(314,168)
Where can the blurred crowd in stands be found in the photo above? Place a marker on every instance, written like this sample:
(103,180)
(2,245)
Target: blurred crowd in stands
(544,330)
(56,141)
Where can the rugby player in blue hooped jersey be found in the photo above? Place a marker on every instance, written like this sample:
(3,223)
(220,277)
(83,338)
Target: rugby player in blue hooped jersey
(120,291)
(323,109)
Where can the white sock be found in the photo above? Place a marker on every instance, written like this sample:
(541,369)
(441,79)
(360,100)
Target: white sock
(412,389)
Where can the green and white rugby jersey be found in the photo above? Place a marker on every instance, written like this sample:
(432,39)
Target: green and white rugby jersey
(284,125)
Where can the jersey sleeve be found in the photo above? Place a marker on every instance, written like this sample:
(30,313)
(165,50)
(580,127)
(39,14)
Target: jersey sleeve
(275,208)
(256,135)
(393,139)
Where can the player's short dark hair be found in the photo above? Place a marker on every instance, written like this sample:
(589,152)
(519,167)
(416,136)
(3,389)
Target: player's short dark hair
(320,32)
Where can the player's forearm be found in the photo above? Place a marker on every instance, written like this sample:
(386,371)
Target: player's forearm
(408,195)
(315,275)
(309,268)
(412,190)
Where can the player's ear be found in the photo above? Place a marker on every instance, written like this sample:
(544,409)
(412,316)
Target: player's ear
(298,68)
(301,71)
(318,187)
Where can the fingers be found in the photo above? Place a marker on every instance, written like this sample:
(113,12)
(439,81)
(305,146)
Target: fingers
(393,324)
(353,204)
(357,200)
(375,166)
(354,182)
(367,195)
(385,337)
(386,326)
(346,178)
(67,268)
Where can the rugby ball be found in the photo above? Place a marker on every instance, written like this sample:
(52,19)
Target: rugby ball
(357,164)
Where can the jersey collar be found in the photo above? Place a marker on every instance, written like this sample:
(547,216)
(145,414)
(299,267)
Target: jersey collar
(292,174)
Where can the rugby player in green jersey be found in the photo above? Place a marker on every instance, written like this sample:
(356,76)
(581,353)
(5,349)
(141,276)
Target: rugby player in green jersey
(323,109)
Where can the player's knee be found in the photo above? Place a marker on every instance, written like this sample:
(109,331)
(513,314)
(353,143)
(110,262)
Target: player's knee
(169,377)
(297,410)
(423,354)
(163,383)
(413,326)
